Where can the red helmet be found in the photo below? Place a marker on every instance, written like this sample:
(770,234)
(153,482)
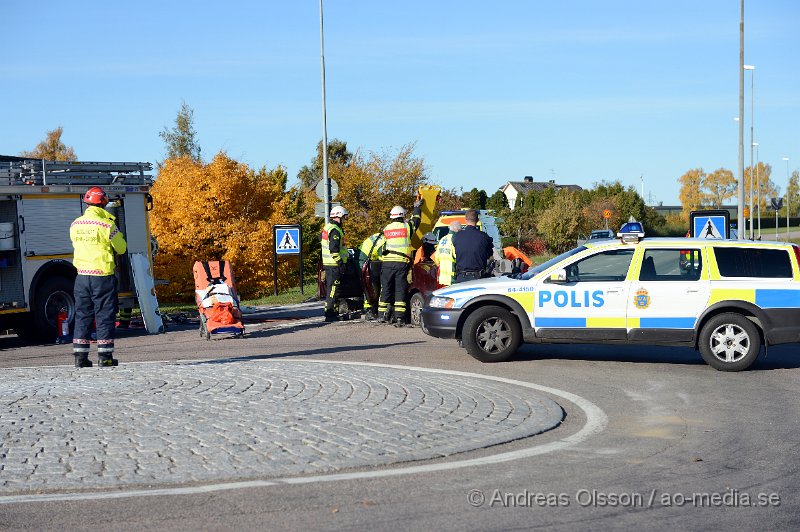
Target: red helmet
(95,196)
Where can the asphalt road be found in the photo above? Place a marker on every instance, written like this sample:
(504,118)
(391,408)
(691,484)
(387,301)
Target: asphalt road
(652,438)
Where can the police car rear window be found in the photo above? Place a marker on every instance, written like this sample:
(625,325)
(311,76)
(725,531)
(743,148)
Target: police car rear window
(753,262)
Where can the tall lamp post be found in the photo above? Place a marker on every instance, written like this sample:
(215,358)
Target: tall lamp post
(787,197)
(740,195)
(758,197)
(752,70)
(326,180)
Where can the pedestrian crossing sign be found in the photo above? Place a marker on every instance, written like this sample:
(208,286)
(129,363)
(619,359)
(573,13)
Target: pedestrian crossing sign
(287,240)
(710,227)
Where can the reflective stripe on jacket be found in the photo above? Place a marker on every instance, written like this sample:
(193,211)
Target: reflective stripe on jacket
(445,257)
(95,239)
(332,243)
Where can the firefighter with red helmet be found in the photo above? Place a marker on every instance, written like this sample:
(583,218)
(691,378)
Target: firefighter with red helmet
(95,240)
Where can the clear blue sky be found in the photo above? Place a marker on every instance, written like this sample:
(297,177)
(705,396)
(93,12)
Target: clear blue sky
(578,91)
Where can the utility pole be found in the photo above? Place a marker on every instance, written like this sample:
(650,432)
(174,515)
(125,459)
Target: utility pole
(740,199)
(325,178)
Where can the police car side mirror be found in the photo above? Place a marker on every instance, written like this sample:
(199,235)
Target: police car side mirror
(558,276)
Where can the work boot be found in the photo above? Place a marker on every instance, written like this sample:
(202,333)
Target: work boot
(107,361)
(371,315)
(82,361)
(399,322)
(331,317)
(384,318)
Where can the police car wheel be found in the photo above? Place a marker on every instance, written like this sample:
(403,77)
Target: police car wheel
(729,342)
(415,309)
(491,334)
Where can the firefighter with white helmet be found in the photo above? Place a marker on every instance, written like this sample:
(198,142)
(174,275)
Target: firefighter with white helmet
(396,261)
(95,240)
(334,259)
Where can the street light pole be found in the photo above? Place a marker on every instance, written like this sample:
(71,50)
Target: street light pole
(752,70)
(325,178)
(787,197)
(758,197)
(740,196)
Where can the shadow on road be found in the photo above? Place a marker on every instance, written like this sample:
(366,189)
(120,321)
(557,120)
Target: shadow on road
(785,356)
(306,352)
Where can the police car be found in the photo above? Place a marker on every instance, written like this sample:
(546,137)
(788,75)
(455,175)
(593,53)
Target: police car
(725,298)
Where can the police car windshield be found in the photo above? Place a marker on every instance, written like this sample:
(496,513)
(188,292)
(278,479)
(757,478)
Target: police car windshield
(555,260)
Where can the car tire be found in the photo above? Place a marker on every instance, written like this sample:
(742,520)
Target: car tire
(729,342)
(415,309)
(491,334)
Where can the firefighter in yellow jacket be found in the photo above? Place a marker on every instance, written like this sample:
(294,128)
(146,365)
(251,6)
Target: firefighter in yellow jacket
(95,240)
(334,259)
(371,254)
(396,261)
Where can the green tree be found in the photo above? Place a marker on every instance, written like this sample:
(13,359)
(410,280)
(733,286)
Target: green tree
(181,140)
(52,148)
(560,224)
(792,197)
(338,157)
(498,203)
(475,199)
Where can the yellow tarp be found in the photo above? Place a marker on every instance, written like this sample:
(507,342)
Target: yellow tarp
(430,195)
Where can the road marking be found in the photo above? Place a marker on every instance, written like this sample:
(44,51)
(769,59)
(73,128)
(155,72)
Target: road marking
(596,422)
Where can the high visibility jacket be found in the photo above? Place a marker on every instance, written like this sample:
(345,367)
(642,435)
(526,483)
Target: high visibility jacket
(398,242)
(332,244)
(445,257)
(95,239)
(398,238)
(371,249)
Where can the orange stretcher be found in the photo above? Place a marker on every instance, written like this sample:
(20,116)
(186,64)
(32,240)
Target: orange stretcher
(217,299)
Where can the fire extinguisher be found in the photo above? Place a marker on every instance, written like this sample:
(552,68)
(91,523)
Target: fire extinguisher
(62,325)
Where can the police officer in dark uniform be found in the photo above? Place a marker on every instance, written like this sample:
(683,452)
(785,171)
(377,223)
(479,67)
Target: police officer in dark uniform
(473,249)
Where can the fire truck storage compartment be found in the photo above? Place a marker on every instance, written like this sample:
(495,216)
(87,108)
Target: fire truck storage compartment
(47,220)
(11,287)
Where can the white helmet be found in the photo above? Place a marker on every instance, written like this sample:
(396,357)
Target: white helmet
(338,212)
(397,212)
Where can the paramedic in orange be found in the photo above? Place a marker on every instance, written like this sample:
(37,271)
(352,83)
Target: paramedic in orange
(334,259)
(95,240)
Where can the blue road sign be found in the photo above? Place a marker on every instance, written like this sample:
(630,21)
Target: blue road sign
(709,227)
(287,240)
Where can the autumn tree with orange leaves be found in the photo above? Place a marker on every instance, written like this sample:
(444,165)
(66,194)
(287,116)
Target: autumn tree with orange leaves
(222,210)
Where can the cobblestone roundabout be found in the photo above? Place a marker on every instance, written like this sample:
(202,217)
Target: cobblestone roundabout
(168,424)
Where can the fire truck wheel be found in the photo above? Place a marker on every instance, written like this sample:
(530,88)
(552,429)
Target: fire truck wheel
(51,296)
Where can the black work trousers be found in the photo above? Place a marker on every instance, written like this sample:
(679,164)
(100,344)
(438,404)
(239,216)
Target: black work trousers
(394,285)
(95,301)
(373,292)
(333,279)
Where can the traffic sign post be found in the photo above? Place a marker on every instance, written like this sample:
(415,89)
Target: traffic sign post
(710,224)
(606,216)
(287,240)
(777,204)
